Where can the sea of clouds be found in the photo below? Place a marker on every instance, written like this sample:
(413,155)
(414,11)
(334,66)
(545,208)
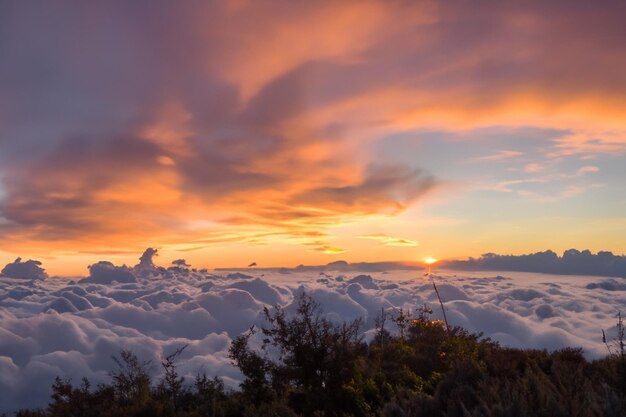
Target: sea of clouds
(72,327)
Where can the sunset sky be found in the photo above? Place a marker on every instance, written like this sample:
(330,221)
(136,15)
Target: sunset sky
(307,132)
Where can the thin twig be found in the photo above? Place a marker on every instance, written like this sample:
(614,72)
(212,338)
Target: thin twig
(445,319)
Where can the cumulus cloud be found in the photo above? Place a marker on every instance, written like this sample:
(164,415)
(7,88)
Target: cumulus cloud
(104,272)
(29,270)
(146,261)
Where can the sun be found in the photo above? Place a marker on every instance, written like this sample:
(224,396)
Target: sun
(430,261)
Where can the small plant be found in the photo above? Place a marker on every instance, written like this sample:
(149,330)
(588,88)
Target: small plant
(172,383)
(616,346)
(131,382)
(402,319)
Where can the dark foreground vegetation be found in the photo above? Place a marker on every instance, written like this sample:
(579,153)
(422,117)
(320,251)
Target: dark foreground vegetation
(306,365)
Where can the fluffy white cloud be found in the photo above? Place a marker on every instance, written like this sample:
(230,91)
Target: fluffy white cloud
(71,329)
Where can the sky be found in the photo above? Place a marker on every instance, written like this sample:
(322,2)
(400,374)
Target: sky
(296,132)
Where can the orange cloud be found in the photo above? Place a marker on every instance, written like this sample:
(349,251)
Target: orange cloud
(388,240)
(256,122)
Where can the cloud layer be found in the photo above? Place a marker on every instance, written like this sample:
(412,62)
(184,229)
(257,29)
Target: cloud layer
(71,328)
(572,262)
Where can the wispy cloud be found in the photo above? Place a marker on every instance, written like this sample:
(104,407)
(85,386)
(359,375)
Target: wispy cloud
(588,143)
(389,240)
(324,247)
(534,168)
(508,186)
(587,169)
(499,156)
(555,186)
